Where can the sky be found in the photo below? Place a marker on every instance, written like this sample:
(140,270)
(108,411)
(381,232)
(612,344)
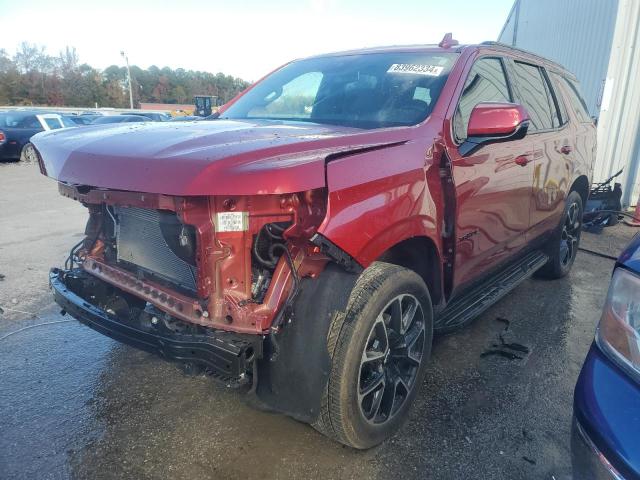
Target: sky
(246,39)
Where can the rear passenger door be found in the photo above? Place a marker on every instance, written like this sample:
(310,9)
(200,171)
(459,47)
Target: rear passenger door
(493,185)
(553,145)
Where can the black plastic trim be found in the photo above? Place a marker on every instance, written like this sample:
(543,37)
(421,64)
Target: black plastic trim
(224,353)
(472,144)
(339,256)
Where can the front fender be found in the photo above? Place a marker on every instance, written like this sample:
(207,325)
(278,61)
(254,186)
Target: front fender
(378,199)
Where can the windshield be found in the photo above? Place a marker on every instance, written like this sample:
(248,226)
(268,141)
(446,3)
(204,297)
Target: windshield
(362,91)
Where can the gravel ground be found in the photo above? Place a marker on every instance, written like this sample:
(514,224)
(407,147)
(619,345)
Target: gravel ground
(75,404)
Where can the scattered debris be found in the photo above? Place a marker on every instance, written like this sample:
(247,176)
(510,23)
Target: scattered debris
(501,353)
(509,350)
(529,460)
(505,321)
(14,301)
(2,276)
(601,210)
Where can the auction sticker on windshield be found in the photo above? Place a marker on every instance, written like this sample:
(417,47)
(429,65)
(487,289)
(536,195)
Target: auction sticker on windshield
(416,69)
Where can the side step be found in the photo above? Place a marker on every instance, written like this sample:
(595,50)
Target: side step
(465,308)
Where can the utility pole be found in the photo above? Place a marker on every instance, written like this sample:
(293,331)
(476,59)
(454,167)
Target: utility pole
(128,78)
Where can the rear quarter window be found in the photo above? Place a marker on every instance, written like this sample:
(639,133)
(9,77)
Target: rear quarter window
(578,105)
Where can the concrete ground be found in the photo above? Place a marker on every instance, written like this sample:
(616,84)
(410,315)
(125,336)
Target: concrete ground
(75,404)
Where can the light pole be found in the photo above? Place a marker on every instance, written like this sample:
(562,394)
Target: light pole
(128,78)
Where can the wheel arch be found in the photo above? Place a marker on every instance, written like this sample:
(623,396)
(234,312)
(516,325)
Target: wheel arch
(581,185)
(420,255)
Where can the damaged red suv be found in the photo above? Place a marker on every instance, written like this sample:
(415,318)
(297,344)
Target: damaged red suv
(309,242)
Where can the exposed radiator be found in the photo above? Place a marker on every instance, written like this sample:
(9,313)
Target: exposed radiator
(140,241)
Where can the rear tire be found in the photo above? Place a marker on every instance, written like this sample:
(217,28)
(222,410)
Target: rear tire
(563,245)
(379,351)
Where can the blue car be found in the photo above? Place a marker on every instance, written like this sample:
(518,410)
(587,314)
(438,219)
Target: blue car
(606,426)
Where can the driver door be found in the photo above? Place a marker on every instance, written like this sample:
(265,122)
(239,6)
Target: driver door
(493,184)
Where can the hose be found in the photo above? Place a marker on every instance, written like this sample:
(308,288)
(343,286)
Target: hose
(34,326)
(267,263)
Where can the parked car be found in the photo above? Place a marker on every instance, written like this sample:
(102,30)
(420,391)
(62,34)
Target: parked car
(310,240)
(83,119)
(607,396)
(103,120)
(18,126)
(154,116)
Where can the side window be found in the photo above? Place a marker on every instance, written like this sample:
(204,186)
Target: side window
(53,123)
(559,97)
(30,121)
(535,95)
(577,102)
(486,82)
(556,119)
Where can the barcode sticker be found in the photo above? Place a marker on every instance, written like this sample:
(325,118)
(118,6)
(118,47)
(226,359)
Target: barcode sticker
(232,221)
(415,69)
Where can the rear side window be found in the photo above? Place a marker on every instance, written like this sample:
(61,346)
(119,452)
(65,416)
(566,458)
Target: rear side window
(556,118)
(29,122)
(53,123)
(536,96)
(564,117)
(577,102)
(486,82)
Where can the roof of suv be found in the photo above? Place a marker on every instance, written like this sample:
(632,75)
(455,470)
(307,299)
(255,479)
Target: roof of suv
(501,47)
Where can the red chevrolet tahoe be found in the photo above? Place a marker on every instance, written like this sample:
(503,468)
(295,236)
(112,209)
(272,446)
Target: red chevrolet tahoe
(308,243)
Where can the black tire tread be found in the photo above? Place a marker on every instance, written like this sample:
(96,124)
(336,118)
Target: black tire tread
(552,269)
(372,279)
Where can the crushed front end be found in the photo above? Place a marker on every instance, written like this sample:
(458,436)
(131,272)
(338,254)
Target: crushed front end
(207,280)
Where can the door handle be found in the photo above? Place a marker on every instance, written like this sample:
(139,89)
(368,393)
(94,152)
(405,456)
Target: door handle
(522,160)
(566,149)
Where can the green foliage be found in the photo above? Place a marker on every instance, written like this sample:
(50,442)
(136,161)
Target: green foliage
(32,77)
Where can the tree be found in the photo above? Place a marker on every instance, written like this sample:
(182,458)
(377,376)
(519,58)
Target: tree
(32,77)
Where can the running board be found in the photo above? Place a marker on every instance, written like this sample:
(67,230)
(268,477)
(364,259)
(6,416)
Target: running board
(465,308)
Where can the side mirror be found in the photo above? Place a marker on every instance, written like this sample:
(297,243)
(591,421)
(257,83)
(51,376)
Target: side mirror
(494,122)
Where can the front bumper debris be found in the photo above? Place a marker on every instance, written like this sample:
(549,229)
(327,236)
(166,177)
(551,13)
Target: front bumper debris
(226,355)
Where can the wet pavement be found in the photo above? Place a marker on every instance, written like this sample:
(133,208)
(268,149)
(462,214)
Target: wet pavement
(75,404)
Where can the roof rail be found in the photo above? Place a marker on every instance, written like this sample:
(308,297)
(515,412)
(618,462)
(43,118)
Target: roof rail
(522,50)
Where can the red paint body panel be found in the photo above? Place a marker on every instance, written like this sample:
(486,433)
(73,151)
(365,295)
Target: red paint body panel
(496,119)
(382,196)
(219,157)
(364,190)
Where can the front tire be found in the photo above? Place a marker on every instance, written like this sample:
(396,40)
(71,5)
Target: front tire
(379,352)
(565,241)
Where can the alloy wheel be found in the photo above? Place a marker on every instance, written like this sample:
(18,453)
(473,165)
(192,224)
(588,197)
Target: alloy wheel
(570,235)
(391,359)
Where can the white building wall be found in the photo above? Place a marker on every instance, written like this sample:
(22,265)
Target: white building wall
(619,123)
(574,33)
(599,41)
